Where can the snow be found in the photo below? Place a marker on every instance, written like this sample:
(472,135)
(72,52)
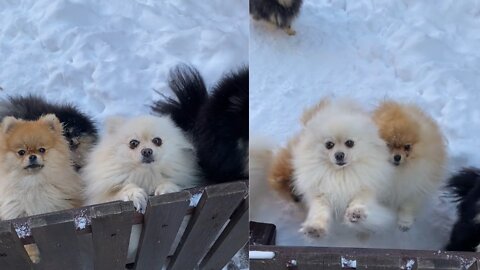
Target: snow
(195,199)
(23,230)
(409,265)
(347,263)
(368,50)
(261,255)
(109,56)
(82,220)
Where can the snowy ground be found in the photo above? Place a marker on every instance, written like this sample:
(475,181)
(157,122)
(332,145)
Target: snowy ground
(415,51)
(107,57)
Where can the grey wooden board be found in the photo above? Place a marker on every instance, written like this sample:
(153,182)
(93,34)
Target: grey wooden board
(232,239)
(366,258)
(213,210)
(162,220)
(111,227)
(12,253)
(262,233)
(57,241)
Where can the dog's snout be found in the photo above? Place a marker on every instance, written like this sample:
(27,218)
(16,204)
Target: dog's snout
(147,152)
(339,156)
(32,158)
(397,158)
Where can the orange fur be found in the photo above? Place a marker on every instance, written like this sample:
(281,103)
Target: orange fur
(281,171)
(31,135)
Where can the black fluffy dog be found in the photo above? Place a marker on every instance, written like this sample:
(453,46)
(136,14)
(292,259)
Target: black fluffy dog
(78,128)
(465,235)
(217,123)
(278,12)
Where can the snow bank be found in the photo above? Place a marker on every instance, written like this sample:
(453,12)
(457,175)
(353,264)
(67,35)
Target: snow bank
(370,50)
(109,56)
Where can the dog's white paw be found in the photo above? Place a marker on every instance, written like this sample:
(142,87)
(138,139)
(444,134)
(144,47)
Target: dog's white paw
(355,214)
(138,196)
(405,223)
(166,188)
(314,229)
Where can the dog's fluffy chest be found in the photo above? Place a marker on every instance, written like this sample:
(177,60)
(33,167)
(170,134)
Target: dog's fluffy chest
(31,195)
(338,187)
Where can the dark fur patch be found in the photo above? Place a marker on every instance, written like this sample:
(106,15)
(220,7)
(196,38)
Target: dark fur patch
(218,124)
(465,187)
(190,92)
(75,123)
(268,9)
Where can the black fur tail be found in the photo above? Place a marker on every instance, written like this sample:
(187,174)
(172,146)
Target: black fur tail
(462,183)
(190,94)
(221,134)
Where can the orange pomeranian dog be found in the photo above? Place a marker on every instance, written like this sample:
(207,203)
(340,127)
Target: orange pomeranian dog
(36,172)
(417,151)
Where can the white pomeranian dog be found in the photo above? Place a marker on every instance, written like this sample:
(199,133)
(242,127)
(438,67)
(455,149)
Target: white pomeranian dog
(340,168)
(138,157)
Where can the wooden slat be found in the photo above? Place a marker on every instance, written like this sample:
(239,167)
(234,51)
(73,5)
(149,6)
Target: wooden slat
(57,241)
(366,258)
(214,209)
(12,253)
(232,239)
(111,228)
(262,233)
(163,217)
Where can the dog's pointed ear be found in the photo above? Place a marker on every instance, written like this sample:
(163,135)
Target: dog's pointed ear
(112,123)
(8,123)
(52,122)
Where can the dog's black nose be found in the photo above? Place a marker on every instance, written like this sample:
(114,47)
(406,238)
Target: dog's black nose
(147,152)
(339,156)
(32,158)
(397,158)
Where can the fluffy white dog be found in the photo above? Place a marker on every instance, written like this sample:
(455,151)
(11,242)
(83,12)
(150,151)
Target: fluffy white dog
(340,167)
(138,157)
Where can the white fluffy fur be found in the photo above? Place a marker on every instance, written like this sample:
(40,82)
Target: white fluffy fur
(115,172)
(349,193)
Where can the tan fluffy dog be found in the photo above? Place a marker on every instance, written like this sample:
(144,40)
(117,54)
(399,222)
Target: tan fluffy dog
(417,151)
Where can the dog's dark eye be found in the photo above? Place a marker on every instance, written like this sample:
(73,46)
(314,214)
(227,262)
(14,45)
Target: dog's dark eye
(407,147)
(41,150)
(21,152)
(134,144)
(329,145)
(349,143)
(157,141)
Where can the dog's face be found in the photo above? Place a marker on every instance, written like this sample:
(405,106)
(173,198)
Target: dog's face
(342,141)
(339,150)
(399,131)
(400,151)
(31,146)
(143,141)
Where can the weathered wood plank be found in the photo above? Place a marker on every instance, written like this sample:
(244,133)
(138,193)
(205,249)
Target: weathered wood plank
(262,233)
(163,217)
(111,228)
(214,209)
(12,253)
(365,258)
(57,241)
(232,239)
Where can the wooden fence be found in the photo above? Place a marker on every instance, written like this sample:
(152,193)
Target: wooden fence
(198,228)
(272,257)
